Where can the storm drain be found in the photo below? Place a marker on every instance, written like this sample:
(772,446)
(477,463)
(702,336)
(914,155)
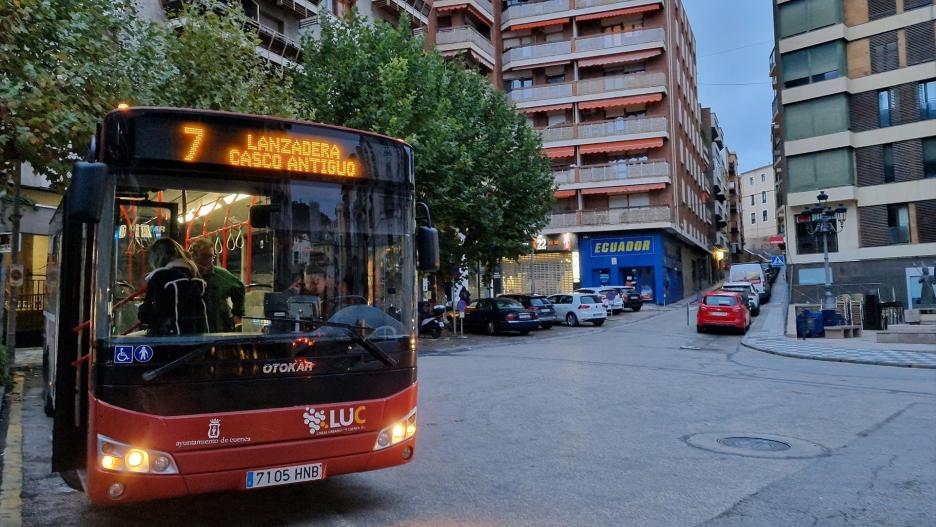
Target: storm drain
(758,444)
(767,446)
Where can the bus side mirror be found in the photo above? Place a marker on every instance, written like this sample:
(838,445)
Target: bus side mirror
(427,249)
(86,192)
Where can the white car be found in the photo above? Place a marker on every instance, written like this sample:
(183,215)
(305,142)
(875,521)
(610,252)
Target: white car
(574,308)
(750,291)
(612,299)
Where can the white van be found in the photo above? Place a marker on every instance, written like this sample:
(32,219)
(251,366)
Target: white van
(753,273)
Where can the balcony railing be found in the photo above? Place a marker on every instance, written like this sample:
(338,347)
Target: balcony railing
(582,4)
(621,216)
(613,172)
(527,9)
(465,35)
(592,43)
(588,87)
(613,127)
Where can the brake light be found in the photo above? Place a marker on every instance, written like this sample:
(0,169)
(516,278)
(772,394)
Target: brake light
(585,306)
(510,316)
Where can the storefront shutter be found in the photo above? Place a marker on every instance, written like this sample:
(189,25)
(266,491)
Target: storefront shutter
(872,226)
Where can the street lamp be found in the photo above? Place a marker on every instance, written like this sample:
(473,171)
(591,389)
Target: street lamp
(824,221)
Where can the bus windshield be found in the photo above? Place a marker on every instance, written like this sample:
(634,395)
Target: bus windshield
(268,257)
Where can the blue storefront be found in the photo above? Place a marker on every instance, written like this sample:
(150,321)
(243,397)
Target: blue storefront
(649,259)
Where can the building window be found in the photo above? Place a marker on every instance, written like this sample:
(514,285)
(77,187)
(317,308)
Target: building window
(927,91)
(898,223)
(555,79)
(913,4)
(815,64)
(516,84)
(881,8)
(888,159)
(929,157)
(751,180)
(752,200)
(753,218)
(765,215)
(763,178)
(800,16)
(816,117)
(885,107)
(271,22)
(763,196)
(920,44)
(884,55)
(809,244)
(822,170)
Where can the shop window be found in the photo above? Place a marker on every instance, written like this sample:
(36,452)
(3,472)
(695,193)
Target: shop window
(809,244)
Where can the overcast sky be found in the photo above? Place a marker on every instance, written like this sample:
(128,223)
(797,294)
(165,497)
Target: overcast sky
(734,40)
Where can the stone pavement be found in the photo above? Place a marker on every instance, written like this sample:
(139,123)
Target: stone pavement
(767,335)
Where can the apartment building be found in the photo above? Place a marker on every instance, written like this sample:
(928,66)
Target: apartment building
(727,231)
(611,84)
(856,81)
(758,208)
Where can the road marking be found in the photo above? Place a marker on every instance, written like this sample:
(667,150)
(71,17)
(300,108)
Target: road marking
(11,488)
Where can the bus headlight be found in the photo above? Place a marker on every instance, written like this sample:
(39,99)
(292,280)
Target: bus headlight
(120,457)
(403,429)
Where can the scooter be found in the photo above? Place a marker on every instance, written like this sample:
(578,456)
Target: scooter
(432,324)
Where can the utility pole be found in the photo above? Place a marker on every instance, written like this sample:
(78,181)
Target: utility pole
(14,259)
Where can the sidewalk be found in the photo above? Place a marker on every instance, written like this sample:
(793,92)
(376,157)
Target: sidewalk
(767,335)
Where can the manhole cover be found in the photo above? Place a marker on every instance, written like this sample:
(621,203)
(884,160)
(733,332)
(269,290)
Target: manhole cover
(754,443)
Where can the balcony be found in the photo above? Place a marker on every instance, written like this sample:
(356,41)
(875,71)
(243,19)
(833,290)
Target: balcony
(274,45)
(581,133)
(529,9)
(583,89)
(609,217)
(484,7)
(590,46)
(418,10)
(454,39)
(624,173)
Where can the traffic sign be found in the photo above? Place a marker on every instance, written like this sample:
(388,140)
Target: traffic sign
(16,275)
(778,261)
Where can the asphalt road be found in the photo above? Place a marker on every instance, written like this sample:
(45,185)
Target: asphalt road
(618,425)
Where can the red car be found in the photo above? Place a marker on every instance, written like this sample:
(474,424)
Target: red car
(723,309)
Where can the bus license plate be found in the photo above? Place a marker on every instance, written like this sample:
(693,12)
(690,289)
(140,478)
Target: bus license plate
(284,475)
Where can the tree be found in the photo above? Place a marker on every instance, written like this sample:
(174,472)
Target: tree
(478,164)
(60,70)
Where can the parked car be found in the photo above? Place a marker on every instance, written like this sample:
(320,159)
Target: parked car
(724,309)
(751,272)
(751,298)
(576,307)
(496,315)
(646,293)
(538,304)
(608,295)
(630,297)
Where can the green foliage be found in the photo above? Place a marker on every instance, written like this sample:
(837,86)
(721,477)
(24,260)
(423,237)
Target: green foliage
(60,70)
(5,379)
(478,165)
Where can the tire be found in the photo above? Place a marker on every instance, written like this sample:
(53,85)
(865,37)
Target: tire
(756,312)
(436,332)
(572,320)
(490,329)
(545,326)
(637,308)
(598,322)
(700,329)
(617,311)
(525,332)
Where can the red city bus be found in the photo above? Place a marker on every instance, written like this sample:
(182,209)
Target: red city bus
(314,377)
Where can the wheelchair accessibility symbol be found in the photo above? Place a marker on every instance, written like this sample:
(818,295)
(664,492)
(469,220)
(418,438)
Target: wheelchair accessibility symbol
(123,354)
(143,353)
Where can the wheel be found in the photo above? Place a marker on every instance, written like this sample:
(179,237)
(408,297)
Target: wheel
(525,332)
(598,322)
(490,328)
(546,326)
(572,320)
(700,329)
(617,311)
(756,312)
(637,308)
(436,332)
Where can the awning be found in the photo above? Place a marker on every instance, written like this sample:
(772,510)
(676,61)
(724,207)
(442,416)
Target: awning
(624,189)
(776,240)
(562,151)
(622,146)
(552,108)
(544,23)
(620,12)
(632,56)
(565,194)
(467,7)
(622,101)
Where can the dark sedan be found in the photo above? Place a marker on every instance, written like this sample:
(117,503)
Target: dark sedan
(631,297)
(539,305)
(496,315)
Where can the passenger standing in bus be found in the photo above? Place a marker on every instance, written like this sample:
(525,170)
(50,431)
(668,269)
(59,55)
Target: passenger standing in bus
(220,285)
(173,304)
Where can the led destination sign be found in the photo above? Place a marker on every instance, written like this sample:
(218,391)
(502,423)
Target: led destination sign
(247,147)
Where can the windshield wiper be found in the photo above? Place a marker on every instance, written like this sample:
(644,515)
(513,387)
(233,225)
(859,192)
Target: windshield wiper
(351,331)
(197,352)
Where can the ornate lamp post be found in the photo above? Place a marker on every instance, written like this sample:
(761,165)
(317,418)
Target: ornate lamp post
(824,221)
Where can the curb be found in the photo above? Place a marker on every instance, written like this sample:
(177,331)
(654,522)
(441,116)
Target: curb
(892,363)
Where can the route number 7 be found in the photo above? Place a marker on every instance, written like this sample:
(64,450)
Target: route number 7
(198,133)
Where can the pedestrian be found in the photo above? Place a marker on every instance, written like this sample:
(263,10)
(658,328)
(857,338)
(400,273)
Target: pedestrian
(174,302)
(220,287)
